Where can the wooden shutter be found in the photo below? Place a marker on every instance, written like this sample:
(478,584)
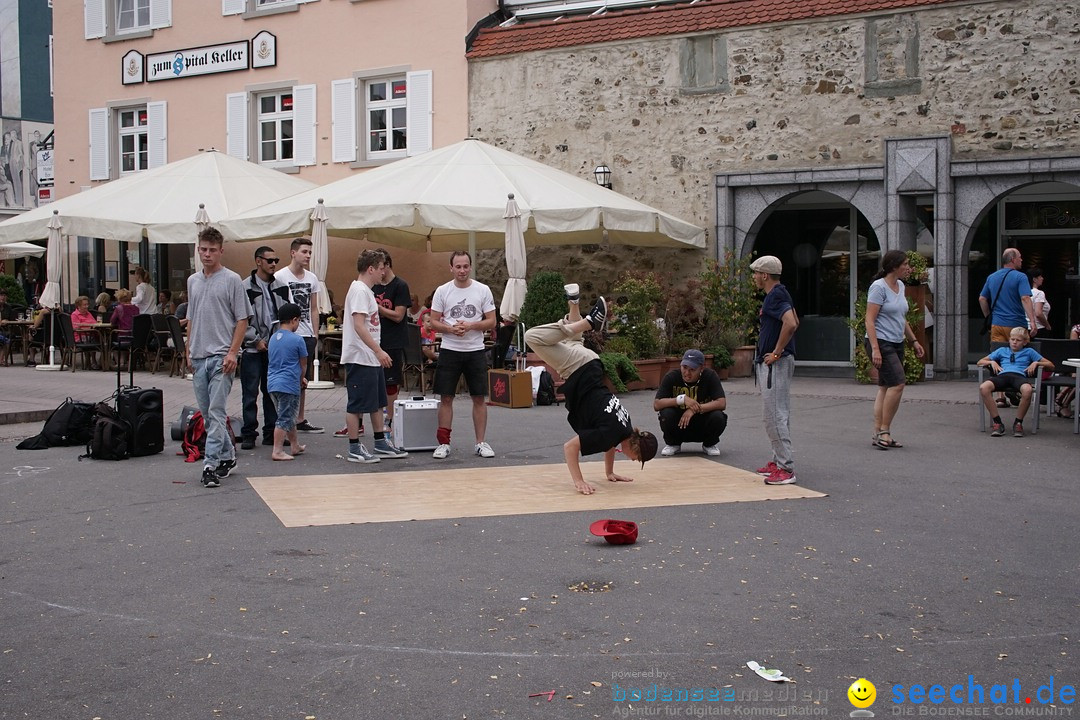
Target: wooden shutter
(236,125)
(160,13)
(232,7)
(94,18)
(304,124)
(418,110)
(157,134)
(343,117)
(99,144)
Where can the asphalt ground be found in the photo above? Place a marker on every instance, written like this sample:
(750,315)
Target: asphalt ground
(128,590)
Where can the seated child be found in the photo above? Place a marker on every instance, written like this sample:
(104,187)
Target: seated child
(1012,365)
(285,376)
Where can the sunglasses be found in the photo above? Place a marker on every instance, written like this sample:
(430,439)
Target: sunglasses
(272,261)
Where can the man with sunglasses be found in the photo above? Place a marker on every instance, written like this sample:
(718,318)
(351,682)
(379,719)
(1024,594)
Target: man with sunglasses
(266,294)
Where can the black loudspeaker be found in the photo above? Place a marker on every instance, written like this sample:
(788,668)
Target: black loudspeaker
(144,411)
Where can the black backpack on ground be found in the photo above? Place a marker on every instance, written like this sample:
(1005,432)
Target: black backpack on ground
(69,424)
(545,393)
(110,437)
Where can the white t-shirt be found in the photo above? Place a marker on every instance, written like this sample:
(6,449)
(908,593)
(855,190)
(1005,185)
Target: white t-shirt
(467,304)
(353,350)
(1038,296)
(301,290)
(145,298)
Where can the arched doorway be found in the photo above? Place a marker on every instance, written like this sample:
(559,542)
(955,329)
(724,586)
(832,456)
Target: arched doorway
(825,266)
(1042,220)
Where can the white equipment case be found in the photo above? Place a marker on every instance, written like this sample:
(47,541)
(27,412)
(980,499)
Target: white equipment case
(416,421)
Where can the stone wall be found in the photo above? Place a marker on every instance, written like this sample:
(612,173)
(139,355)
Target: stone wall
(668,114)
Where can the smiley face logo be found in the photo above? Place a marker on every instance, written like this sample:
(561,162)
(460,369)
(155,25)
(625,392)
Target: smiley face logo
(862,693)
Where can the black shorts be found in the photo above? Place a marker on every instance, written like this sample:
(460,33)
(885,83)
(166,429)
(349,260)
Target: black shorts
(453,364)
(365,387)
(397,360)
(309,343)
(891,372)
(1011,381)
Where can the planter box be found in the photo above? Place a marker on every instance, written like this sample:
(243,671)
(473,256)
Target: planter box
(744,361)
(651,371)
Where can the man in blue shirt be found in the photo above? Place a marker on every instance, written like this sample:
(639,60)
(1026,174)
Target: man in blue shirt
(774,365)
(1006,298)
(1012,367)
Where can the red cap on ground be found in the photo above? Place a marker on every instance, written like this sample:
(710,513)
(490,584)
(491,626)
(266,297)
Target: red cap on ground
(616,532)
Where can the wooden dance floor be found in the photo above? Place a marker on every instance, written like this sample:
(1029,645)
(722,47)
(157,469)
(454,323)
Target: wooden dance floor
(438,493)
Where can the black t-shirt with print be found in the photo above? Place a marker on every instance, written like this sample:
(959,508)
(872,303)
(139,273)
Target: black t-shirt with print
(706,389)
(395,335)
(596,415)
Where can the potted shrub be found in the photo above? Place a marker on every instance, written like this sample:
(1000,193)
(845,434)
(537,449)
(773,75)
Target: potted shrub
(731,305)
(633,322)
(545,299)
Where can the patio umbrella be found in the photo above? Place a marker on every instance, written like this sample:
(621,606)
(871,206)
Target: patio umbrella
(157,204)
(320,252)
(18,250)
(514,294)
(436,200)
(50,296)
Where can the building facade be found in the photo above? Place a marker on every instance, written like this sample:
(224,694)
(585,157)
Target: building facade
(26,108)
(821,131)
(321,88)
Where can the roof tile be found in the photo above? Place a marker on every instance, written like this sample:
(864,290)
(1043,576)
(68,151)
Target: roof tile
(667,20)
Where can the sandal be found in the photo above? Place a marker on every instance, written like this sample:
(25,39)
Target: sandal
(879,443)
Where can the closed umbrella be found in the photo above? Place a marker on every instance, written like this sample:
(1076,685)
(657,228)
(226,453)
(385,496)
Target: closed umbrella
(514,294)
(50,296)
(320,251)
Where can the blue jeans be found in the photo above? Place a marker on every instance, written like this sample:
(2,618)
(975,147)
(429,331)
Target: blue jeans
(253,367)
(212,388)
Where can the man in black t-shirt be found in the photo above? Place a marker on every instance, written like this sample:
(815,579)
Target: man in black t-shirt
(691,403)
(597,416)
(393,298)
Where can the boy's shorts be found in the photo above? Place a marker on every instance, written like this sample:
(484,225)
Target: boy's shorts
(1011,381)
(366,388)
(286,405)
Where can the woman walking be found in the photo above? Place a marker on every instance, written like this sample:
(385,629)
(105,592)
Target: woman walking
(886,329)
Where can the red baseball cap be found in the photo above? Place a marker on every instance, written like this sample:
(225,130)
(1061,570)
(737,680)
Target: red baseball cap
(616,532)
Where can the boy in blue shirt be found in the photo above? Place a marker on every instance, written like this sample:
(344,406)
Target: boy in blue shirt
(1012,367)
(285,376)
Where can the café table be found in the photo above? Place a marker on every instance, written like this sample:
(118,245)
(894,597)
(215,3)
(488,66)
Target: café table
(23,328)
(1075,363)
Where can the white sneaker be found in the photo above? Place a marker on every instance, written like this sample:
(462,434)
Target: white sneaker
(670,450)
(711,450)
(573,292)
(441,452)
(484,450)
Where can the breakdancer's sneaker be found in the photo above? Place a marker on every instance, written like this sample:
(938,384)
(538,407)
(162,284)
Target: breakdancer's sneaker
(597,317)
